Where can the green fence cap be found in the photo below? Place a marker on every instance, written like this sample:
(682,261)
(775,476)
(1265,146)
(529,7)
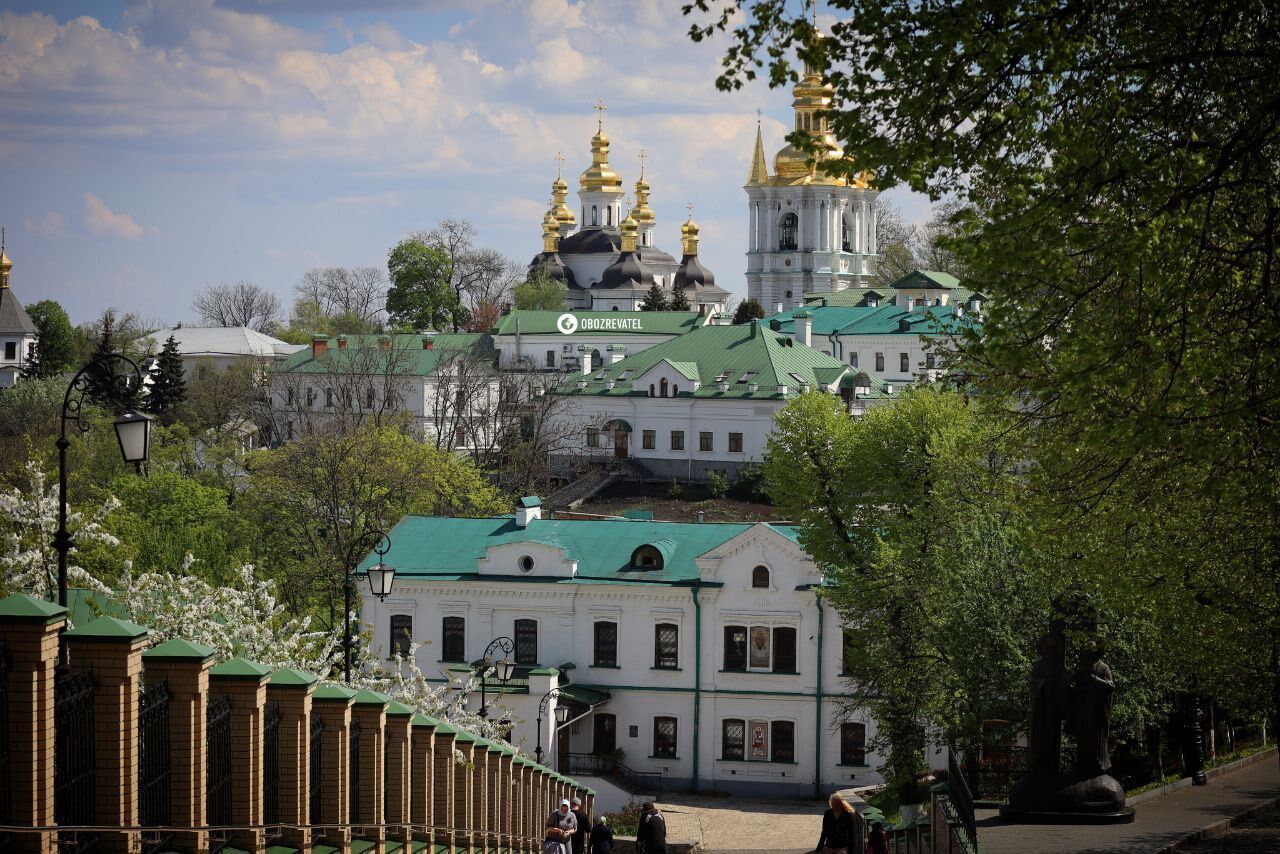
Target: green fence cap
(398,709)
(333,691)
(287,677)
(108,629)
(240,668)
(180,649)
(365,697)
(20,606)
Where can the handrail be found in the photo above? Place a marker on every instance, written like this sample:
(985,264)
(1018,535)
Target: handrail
(603,765)
(962,798)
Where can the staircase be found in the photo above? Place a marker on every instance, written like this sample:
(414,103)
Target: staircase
(573,494)
(635,782)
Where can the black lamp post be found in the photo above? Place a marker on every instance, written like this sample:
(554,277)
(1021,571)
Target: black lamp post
(380,576)
(561,713)
(504,667)
(133,431)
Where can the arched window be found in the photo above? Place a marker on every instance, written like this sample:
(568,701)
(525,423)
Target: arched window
(787,229)
(844,235)
(595,215)
(646,557)
(760,577)
(651,394)
(608,215)
(662,386)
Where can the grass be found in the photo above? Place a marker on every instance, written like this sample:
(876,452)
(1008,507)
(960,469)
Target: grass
(1217,762)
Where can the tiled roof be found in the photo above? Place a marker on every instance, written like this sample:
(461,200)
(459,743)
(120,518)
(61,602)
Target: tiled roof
(447,549)
(626,323)
(409,355)
(736,355)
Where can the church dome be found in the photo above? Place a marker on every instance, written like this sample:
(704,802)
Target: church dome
(627,272)
(599,176)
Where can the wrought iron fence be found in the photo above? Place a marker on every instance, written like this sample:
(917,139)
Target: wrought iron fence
(218,779)
(154,765)
(6,793)
(271,769)
(316,781)
(353,774)
(962,799)
(75,765)
(911,840)
(604,765)
(992,770)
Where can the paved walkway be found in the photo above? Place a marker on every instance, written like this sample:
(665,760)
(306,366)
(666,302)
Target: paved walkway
(1161,822)
(727,823)
(1257,835)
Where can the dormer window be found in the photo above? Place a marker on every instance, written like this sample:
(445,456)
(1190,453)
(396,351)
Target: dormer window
(760,577)
(646,557)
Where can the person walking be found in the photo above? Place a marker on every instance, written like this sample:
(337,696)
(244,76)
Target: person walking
(841,828)
(878,838)
(651,838)
(561,826)
(601,837)
(579,839)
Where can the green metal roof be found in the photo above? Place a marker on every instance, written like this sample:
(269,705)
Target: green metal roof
(365,697)
(287,677)
(179,649)
(531,501)
(406,354)
(332,691)
(108,629)
(587,695)
(927,279)
(397,709)
(596,322)
(420,719)
(239,668)
(937,320)
(20,606)
(715,354)
(448,548)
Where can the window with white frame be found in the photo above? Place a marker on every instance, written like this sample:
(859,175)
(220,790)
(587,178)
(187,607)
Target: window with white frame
(760,648)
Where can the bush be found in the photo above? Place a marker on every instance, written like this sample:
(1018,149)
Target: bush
(749,484)
(674,489)
(717,484)
(626,821)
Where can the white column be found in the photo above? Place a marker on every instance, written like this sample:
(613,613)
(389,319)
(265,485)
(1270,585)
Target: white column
(753,235)
(874,247)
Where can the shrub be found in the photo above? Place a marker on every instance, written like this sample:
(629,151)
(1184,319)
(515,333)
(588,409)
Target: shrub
(626,821)
(674,489)
(749,484)
(717,484)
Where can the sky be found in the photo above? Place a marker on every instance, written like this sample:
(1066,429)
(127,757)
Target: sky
(151,147)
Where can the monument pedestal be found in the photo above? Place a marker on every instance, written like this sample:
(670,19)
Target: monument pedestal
(1067,799)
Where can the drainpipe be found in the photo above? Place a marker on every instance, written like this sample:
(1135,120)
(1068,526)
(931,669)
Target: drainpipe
(697,678)
(817,731)
(837,349)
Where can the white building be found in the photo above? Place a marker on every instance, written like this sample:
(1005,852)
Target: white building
(17,332)
(811,229)
(547,341)
(216,348)
(700,651)
(705,400)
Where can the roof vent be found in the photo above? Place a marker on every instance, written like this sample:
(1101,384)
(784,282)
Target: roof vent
(782,390)
(753,387)
(529,509)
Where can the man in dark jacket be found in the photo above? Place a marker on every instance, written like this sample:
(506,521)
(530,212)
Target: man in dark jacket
(579,839)
(652,835)
(601,837)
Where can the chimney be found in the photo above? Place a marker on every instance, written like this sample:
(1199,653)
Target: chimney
(428,342)
(782,390)
(319,345)
(529,509)
(803,321)
(911,303)
(722,386)
(342,342)
(779,308)
(384,342)
(753,387)
(584,355)
(617,352)
(701,517)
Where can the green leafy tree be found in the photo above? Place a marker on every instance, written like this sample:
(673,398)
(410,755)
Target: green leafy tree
(541,293)
(111,384)
(420,296)
(679,301)
(747,311)
(55,345)
(168,392)
(655,299)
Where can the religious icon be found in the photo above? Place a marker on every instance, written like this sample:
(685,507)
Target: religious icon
(759,646)
(759,740)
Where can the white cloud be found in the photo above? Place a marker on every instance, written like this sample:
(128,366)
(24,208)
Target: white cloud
(48,225)
(100,219)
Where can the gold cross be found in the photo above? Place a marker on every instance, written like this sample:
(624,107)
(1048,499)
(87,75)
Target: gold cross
(689,207)
(600,108)
(559,161)
(813,4)
(642,157)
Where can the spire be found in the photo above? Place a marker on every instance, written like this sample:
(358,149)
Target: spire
(642,213)
(689,233)
(599,176)
(629,228)
(5,264)
(759,168)
(559,191)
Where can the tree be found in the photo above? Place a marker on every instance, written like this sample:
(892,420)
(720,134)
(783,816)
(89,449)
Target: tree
(109,383)
(478,275)
(420,296)
(357,293)
(541,293)
(239,304)
(679,300)
(897,243)
(747,311)
(168,392)
(655,299)
(55,345)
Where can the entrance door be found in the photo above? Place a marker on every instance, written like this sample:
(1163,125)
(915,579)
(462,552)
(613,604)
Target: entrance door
(620,444)
(606,734)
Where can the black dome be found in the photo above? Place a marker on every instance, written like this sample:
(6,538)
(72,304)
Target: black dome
(590,241)
(627,272)
(554,267)
(693,275)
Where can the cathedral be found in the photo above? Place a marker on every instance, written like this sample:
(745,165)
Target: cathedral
(810,232)
(610,261)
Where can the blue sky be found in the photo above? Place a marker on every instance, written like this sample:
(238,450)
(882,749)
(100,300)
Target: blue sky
(148,148)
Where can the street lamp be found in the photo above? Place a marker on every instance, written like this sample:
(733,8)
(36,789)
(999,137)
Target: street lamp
(133,431)
(380,576)
(561,712)
(504,667)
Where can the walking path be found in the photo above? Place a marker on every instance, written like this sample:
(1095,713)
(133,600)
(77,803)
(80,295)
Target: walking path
(1257,835)
(1164,823)
(725,823)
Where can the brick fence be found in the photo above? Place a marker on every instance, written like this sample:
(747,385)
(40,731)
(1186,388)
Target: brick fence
(143,750)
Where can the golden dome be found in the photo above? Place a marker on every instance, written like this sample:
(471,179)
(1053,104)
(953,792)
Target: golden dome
(599,176)
(550,231)
(629,228)
(689,236)
(642,213)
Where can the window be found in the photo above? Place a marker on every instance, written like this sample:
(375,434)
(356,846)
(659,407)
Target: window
(675,391)
(595,215)
(288,396)
(783,742)
(593,437)
(904,363)
(401,634)
(311,397)
(606,644)
(453,645)
(784,649)
(369,397)
(677,440)
(880,362)
(526,641)
(647,557)
(551,358)
(459,436)
(847,651)
(664,737)
(844,236)
(526,563)
(853,744)
(11,350)
(759,734)
(651,394)
(704,441)
(666,644)
(328,398)
(662,387)
(608,215)
(853,358)
(760,577)
(787,229)
(930,361)
(735,648)
(733,739)
(649,439)
(735,443)
(460,398)
(758,650)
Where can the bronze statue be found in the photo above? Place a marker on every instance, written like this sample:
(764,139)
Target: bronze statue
(1048,687)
